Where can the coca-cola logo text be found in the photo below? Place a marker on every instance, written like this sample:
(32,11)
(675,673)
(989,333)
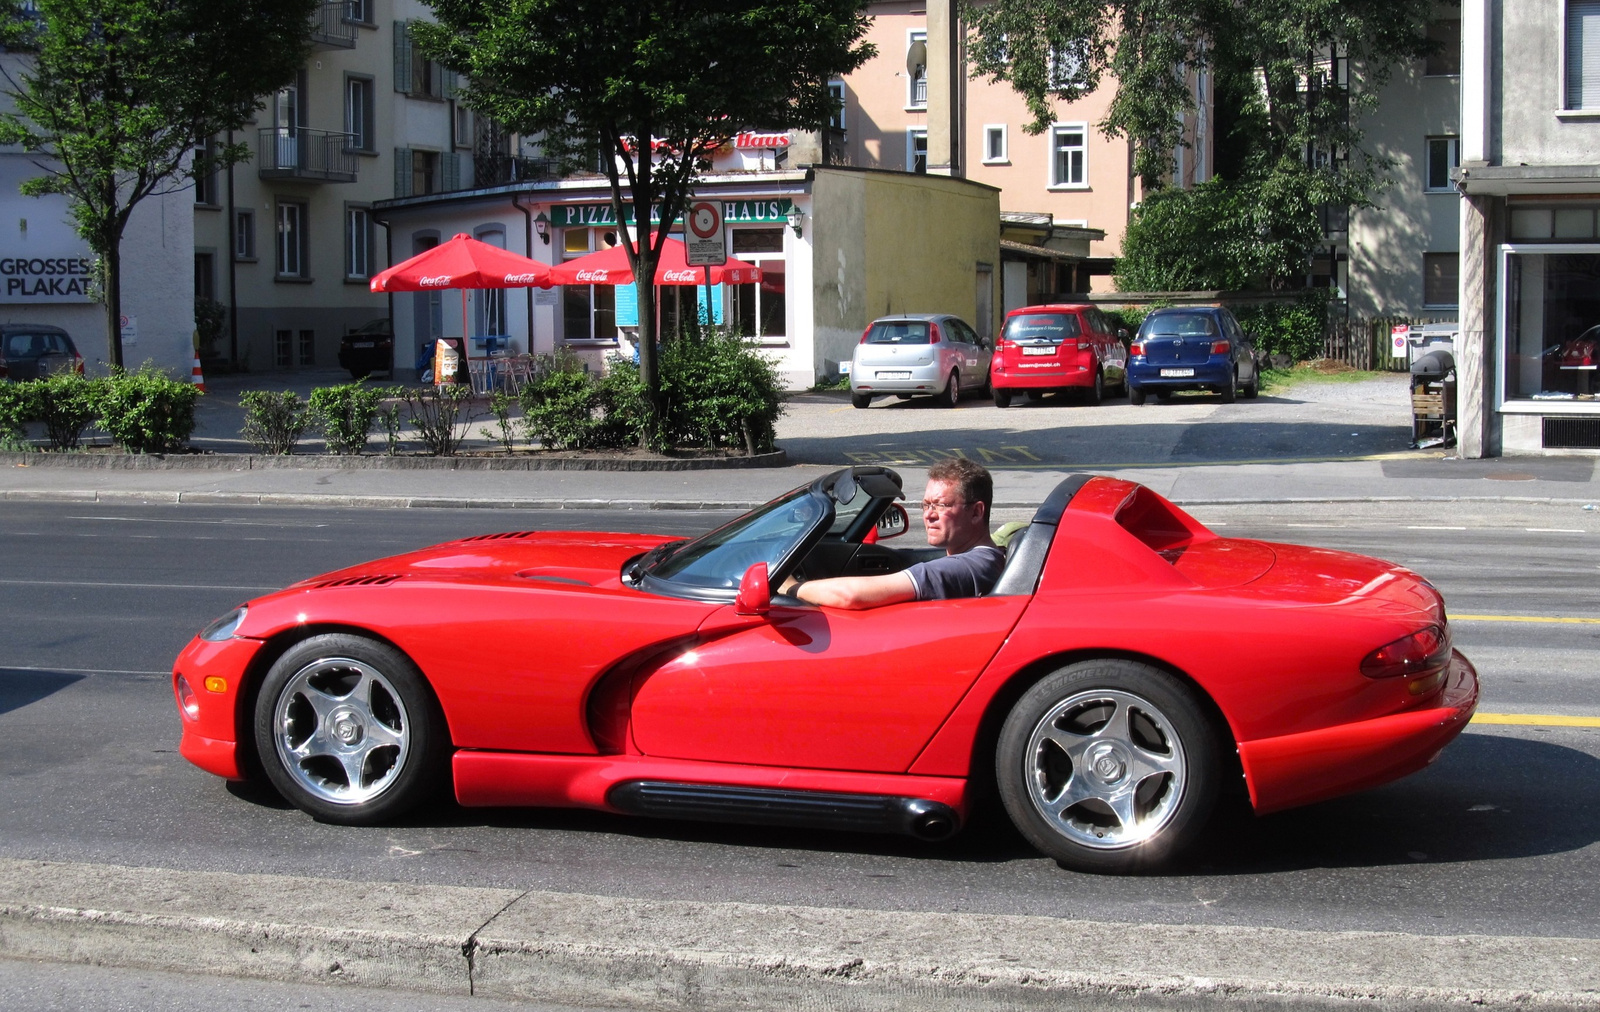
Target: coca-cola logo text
(522,279)
(600,276)
(438,281)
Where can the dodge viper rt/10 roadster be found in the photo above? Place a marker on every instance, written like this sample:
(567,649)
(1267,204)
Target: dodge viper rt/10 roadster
(1128,670)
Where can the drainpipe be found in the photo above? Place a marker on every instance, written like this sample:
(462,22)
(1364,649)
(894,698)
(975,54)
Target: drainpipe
(527,244)
(233,271)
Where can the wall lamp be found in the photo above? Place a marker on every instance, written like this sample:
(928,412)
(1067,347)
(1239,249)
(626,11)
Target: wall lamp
(797,218)
(542,224)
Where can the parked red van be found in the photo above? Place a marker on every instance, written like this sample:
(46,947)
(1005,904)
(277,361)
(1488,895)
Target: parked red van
(1057,347)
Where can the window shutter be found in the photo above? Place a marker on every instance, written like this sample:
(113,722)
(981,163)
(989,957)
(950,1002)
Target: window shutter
(452,171)
(1583,54)
(402,172)
(402,57)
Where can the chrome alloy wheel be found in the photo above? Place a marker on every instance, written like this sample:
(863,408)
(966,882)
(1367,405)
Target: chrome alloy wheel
(1105,768)
(341,730)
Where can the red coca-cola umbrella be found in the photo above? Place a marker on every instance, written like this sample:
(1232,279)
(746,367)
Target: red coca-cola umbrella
(463,262)
(610,267)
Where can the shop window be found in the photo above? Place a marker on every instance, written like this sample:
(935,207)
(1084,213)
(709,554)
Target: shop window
(1445,61)
(1444,155)
(994,143)
(917,149)
(917,73)
(490,303)
(1551,324)
(1441,280)
(588,312)
(761,310)
(1583,54)
(1069,155)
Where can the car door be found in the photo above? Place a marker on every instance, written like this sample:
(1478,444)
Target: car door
(820,688)
(1244,352)
(975,358)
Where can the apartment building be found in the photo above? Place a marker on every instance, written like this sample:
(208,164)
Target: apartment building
(287,241)
(1530,238)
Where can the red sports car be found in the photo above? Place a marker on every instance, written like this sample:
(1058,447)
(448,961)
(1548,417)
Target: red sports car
(1110,689)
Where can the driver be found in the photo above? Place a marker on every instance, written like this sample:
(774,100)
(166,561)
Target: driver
(955,510)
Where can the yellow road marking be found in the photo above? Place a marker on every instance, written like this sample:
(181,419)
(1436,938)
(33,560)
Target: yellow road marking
(1551,619)
(1535,719)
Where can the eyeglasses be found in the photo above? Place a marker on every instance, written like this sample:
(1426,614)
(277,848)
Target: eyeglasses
(939,506)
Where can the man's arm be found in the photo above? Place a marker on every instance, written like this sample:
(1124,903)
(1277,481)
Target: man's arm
(856,592)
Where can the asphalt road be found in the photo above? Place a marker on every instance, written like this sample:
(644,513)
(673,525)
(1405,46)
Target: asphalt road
(1498,837)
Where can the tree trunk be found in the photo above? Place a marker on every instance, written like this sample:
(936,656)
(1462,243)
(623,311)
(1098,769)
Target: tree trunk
(113,280)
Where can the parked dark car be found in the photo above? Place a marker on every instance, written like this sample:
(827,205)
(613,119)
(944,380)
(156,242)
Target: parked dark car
(368,349)
(1192,348)
(31,351)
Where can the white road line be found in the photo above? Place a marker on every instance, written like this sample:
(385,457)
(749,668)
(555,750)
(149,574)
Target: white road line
(1553,530)
(1431,527)
(224,523)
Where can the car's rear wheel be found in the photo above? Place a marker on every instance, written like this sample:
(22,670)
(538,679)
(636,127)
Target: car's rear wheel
(1230,390)
(951,396)
(348,730)
(1135,394)
(1097,392)
(1109,766)
(1002,399)
(860,400)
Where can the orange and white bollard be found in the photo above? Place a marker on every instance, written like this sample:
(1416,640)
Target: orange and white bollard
(195,376)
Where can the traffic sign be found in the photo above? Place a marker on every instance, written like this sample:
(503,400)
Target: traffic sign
(704,242)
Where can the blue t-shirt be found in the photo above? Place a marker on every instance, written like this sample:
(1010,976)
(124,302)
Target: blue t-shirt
(972,573)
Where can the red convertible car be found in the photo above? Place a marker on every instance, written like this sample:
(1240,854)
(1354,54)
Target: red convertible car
(1110,689)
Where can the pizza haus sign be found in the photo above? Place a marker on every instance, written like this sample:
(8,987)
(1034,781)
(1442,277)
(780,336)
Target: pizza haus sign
(734,212)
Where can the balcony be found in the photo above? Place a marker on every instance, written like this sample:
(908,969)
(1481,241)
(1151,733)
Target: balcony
(497,169)
(332,26)
(321,156)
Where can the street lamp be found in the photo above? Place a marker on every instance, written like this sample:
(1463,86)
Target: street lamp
(542,224)
(797,218)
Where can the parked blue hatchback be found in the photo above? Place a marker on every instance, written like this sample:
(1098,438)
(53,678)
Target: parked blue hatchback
(1192,348)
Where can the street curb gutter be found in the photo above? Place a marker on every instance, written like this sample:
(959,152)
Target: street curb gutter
(675,956)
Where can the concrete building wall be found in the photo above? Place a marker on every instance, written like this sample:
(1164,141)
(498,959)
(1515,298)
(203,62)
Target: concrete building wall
(1526,100)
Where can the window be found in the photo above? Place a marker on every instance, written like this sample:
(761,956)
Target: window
(1443,156)
(283,348)
(1068,155)
(358,112)
(357,243)
(489,304)
(205,275)
(917,73)
(1542,224)
(1583,54)
(761,309)
(1446,61)
(1548,323)
(836,118)
(414,73)
(358,11)
(1441,279)
(588,312)
(424,172)
(291,240)
(308,347)
(461,125)
(244,235)
(994,143)
(917,149)
(205,173)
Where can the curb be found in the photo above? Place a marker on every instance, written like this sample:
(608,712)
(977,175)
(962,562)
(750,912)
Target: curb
(377,462)
(587,951)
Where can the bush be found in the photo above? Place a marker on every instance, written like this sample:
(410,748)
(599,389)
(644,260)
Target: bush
(16,408)
(389,416)
(717,390)
(441,415)
(147,411)
(1288,328)
(559,407)
(273,420)
(345,414)
(505,429)
(67,403)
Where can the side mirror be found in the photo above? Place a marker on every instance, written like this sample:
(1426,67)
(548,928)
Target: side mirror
(894,522)
(755,594)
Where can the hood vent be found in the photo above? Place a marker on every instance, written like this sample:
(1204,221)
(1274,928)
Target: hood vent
(382,580)
(502,536)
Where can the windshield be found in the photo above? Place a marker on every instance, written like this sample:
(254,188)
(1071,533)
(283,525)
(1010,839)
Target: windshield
(1181,325)
(718,560)
(898,332)
(1030,327)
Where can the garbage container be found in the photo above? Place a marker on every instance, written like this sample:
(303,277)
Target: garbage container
(1433,399)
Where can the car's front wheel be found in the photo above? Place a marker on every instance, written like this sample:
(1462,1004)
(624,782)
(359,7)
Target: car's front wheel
(348,730)
(1109,766)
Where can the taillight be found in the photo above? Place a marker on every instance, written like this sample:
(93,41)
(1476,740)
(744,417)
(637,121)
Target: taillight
(933,333)
(77,363)
(1220,347)
(5,370)
(866,334)
(1136,348)
(1424,652)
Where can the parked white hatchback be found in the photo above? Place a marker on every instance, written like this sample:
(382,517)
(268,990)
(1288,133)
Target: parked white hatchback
(919,354)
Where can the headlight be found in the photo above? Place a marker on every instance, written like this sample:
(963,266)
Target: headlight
(223,628)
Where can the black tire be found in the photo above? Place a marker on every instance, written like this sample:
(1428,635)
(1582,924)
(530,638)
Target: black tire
(1135,394)
(951,395)
(860,400)
(379,714)
(1096,393)
(1253,389)
(1136,740)
(1002,399)
(1230,391)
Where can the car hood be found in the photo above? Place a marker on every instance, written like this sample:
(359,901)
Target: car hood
(572,558)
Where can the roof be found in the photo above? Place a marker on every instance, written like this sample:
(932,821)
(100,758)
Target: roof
(1042,252)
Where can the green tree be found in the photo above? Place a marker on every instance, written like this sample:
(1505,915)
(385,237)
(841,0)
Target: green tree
(648,90)
(113,95)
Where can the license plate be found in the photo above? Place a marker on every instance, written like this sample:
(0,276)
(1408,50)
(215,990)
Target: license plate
(1038,351)
(1177,372)
(361,344)
(894,374)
